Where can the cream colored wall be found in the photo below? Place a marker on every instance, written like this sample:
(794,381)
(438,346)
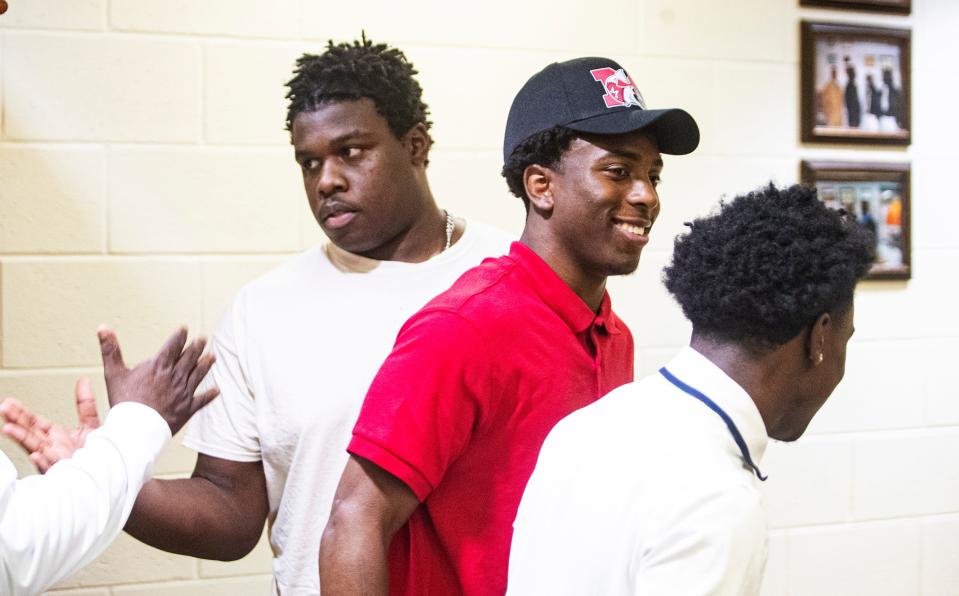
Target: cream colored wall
(145,175)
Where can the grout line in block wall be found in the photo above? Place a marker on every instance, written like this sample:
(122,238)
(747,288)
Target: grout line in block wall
(909,517)
(800,152)
(132,257)
(10,373)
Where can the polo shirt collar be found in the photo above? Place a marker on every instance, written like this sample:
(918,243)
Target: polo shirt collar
(696,370)
(559,296)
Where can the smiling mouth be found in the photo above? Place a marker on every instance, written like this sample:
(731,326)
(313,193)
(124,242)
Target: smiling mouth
(633,229)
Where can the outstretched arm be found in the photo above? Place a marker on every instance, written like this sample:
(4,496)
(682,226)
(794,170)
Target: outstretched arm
(52,525)
(370,506)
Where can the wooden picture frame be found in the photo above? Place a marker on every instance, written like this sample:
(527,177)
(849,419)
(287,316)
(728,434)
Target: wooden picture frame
(884,6)
(878,196)
(855,84)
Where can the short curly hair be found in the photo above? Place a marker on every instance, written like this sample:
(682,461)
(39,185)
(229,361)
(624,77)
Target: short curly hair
(354,70)
(766,265)
(545,148)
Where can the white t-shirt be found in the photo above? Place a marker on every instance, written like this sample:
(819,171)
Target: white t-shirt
(295,356)
(646,492)
(52,525)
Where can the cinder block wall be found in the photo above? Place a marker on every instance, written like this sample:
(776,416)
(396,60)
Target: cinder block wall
(145,175)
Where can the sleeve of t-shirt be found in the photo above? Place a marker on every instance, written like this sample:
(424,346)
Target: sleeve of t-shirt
(54,524)
(227,427)
(426,400)
(712,543)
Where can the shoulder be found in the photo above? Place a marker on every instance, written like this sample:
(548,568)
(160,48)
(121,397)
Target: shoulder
(296,270)
(481,291)
(288,281)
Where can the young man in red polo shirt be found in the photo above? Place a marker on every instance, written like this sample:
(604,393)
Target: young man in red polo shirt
(452,424)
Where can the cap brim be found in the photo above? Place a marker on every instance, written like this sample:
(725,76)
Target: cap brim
(675,130)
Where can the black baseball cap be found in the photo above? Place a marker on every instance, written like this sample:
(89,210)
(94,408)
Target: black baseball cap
(593,95)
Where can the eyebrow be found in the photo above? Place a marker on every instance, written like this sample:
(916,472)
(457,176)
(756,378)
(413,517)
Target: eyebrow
(633,155)
(355,133)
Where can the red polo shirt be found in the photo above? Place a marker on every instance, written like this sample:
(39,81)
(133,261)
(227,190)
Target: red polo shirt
(460,409)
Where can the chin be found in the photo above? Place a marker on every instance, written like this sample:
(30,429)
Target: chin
(624,267)
(788,435)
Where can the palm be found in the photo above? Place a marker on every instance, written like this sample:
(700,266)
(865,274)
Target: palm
(45,442)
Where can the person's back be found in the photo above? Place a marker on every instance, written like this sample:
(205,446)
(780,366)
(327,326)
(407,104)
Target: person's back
(657,472)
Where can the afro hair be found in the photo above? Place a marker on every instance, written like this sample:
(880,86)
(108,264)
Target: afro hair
(766,265)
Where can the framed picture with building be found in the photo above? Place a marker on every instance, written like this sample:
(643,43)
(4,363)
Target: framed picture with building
(886,6)
(855,84)
(877,196)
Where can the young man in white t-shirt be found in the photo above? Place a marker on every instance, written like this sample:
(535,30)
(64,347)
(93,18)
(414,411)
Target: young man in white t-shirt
(297,349)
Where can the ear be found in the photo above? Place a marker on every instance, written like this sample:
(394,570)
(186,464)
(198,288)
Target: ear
(417,141)
(816,342)
(538,182)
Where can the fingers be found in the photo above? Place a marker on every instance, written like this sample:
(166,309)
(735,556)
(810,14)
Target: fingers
(40,461)
(110,352)
(199,372)
(171,350)
(16,414)
(203,400)
(8,407)
(188,361)
(29,441)
(86,405)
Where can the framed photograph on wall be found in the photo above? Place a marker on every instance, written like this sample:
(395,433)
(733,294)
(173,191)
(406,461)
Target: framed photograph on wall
(887,6)
(877,196)
(855,84)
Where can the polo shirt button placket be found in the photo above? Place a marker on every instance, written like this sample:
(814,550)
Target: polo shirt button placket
(595,336)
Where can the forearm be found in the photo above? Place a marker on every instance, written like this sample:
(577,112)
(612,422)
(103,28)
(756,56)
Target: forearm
(354,558)
(199,517)
(52,525)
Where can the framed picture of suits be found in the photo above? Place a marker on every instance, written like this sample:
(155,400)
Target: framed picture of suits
(886,6)
(876,195)
(855,84)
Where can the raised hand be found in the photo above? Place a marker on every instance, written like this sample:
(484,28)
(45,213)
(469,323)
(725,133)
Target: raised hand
(166,383)
(45,442)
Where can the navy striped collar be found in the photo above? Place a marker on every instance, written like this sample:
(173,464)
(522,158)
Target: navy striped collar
(693,373)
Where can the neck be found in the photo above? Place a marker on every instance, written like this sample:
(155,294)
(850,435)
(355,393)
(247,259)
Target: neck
(424,238)
(763,375)
(589,287)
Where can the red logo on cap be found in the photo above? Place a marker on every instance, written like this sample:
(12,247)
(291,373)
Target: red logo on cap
(620,88)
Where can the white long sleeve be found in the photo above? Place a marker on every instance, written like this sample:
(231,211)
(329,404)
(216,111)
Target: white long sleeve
(52,525)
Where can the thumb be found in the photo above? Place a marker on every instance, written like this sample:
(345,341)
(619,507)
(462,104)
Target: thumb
(86,405)
(110,352)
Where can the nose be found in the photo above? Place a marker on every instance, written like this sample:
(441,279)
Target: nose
(330,180)
(644,193)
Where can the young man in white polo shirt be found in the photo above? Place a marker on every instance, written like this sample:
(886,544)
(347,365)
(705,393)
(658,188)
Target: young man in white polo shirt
(653,489)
